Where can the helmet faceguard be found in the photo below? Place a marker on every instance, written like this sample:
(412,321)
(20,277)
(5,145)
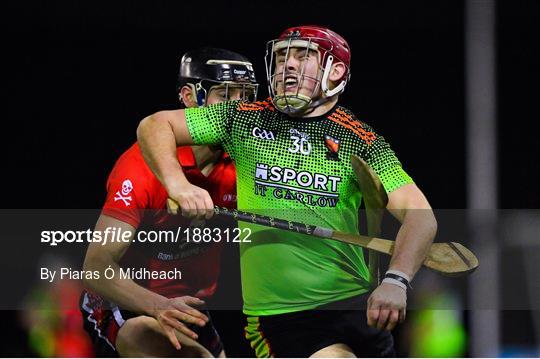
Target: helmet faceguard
(330,48)
(207,68)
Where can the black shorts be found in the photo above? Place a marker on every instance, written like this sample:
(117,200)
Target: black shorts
(102,320)
(301,334)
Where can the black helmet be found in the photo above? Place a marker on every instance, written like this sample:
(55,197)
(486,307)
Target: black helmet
(207,67)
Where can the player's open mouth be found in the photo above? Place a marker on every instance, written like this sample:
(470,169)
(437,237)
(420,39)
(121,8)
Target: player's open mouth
(290,82)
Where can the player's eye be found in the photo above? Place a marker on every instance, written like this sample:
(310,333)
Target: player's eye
(303,54)
(282,55)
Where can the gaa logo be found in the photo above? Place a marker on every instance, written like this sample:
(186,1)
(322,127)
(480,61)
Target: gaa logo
(262,134)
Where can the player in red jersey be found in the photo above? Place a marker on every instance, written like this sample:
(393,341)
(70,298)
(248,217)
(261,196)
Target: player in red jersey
(132,318)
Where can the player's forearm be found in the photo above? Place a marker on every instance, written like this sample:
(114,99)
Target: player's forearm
(158,146)
(413,241)
(123,292)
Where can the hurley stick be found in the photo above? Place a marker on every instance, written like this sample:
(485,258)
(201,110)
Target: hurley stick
(451,259)
(375,200)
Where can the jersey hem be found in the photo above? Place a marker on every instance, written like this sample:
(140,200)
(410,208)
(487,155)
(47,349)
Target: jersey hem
(312,305)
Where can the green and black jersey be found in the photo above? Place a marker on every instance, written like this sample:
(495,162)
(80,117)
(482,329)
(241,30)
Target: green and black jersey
(297,169)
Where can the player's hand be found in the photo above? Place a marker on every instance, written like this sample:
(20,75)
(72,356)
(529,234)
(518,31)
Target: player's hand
(176,313)
(386,306)
(194,201)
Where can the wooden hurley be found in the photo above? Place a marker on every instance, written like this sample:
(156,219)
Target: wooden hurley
(451,259)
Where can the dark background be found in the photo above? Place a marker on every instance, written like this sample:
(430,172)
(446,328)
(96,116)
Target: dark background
(81,76)
(77,77)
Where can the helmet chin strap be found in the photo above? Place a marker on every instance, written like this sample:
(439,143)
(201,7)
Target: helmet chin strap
(201,93)
(324,82)
(327,94)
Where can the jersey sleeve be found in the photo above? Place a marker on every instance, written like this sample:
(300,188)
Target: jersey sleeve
(211,125)
(385,163)
(127,192)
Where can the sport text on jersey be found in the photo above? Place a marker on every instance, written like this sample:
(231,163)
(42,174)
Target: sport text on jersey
(313,189)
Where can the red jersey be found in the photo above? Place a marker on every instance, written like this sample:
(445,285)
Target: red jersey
(135,196)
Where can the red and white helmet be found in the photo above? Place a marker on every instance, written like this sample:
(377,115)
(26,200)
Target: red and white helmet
(331,48)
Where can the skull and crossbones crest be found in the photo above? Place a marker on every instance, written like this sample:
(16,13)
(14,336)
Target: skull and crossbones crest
(122,195)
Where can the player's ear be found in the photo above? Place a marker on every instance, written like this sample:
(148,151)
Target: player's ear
(187,96)
(337,71)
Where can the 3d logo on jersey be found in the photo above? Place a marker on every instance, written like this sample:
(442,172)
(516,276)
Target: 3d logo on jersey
(315,189)
(122,195)
(262,134)
(332,144)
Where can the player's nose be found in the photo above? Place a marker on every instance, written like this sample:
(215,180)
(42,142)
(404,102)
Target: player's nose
(292,63)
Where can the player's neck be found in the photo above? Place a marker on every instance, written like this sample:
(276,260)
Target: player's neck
(322,109)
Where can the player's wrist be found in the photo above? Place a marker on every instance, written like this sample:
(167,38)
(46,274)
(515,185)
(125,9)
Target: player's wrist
(175,182)
(394,282)
(399,273)
(159,303)
(398,278)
